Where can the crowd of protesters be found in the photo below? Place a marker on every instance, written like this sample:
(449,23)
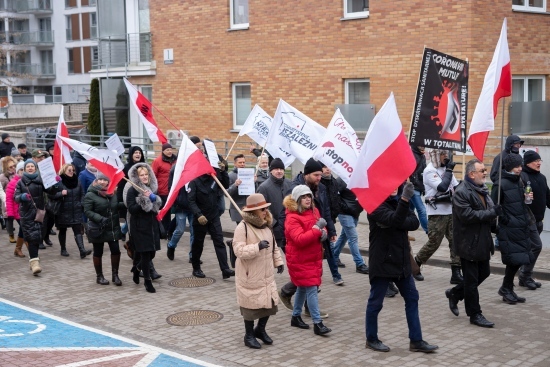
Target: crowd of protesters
(292,216)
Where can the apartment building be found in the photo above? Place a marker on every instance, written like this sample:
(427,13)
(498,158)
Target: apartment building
(47,48)
(206,63)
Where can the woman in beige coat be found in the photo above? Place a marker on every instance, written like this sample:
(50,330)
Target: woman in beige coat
(257,255)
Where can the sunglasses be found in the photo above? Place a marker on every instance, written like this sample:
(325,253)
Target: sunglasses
(263,209)
(11,166)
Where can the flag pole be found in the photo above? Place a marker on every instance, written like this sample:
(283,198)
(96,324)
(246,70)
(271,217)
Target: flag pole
(133,184)
(501,149)
(232,201)
(230,149)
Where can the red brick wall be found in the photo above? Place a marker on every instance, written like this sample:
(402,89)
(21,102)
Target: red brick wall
(302,51)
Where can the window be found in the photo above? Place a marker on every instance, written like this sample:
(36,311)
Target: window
(95,57)
(241,103)
(239,14)
(528,89)
(70,63)
(529,5)
(356,9)
(70,3)
(93,25)
(68,28)
(357,91)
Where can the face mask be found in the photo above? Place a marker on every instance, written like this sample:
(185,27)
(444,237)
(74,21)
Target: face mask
(514,150)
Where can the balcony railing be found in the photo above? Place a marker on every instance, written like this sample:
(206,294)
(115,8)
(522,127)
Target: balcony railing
(36,38)
(28,71)
(124,50)
(33,6)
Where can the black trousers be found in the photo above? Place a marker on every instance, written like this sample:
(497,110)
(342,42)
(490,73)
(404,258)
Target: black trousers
(214,228)
(474,273)
(168,217)
(142,260)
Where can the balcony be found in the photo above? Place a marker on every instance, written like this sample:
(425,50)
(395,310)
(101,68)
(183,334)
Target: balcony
(28,71)
(36,7)
(36,38)
(130,53)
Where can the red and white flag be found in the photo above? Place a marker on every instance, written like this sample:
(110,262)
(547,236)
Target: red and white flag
(191,163)
(61,151)
(144,109)
(497,84)
(106,161)
(385,160)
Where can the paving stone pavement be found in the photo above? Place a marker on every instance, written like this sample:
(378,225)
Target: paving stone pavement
(67,288)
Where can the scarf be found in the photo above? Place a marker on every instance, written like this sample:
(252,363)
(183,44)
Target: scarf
(278,181)
(482,190)
(69,182)
(30,176)
(102,191)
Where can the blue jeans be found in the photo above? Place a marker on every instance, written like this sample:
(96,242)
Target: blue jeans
(416,203)
(181,217)
(331,261)
(309,293)
(407,289)
(349,234)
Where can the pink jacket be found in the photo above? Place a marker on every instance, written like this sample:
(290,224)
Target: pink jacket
(12,207)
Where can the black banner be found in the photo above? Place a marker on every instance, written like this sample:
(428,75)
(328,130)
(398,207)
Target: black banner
(441,105)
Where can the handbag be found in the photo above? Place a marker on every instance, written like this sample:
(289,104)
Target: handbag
(415,269)
(40,213)
(53,206)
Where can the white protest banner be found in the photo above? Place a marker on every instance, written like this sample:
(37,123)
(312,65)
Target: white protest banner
(211,152)
(47,172)
(293,135)
(247,186)
(339,147)
(114,144)
(257,125)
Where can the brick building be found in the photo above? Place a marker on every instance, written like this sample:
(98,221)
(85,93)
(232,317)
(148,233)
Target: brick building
(222,57)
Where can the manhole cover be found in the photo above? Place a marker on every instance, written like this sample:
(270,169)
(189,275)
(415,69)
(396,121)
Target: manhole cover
(192,318)
(191,282)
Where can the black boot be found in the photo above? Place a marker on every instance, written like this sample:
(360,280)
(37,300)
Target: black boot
(249,338)
(297,321)
(507,294)
(320,329)
(99,271)
(79,239)
(259,331)
(154,274)
(456,276)
(419,277)
(453,303)
(115,262)
(149,286)
(63,242)
(135,270)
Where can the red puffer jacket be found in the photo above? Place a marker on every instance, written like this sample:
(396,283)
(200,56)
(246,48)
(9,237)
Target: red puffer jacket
(304,252)
(12,207)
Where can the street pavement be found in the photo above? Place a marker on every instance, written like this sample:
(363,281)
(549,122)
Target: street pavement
(66,290)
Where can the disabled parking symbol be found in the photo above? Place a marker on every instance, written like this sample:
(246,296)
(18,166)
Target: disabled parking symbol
(9,323)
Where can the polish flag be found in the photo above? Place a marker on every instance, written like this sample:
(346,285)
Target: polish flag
(385,160)
(497,84)
(106,161)
(191,163)
(144,109)
(61,151)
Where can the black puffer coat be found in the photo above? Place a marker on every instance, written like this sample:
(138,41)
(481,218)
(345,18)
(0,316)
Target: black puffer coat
(513,231)
(97,207)
(388,237)
(333,195)
(32,231)
(70,211)
(144,226)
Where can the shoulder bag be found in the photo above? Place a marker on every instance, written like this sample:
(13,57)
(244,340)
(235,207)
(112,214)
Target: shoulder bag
(40,213)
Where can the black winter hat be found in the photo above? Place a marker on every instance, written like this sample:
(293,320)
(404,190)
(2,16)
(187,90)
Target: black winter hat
(530,156)
(512,161)
(5,135)
(312,166)
(276,163)
(50,145)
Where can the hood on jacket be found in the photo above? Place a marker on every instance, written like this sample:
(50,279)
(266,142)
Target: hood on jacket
(254,220)
(510,141)
(131,152)
(133,176)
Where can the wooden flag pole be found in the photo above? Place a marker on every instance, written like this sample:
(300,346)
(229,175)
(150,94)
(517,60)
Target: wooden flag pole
(230,149)
(135,186)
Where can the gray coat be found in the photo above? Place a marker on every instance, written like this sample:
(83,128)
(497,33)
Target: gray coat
(274,191)
(240,200)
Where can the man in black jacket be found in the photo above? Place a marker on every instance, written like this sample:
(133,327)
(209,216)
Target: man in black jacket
(418,182)
(512,145)
(389,261)
(541,200)
(473,216)
(203,201)
(6,146)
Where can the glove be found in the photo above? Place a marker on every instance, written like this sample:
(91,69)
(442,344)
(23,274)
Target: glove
(280,269)
(498,210)
(202,220)
(263,244)
(221,166)
(104,221)
(408,191)
(57,178)
(321,223)
(324,236)
(450,166)
(25,197)
(153,197)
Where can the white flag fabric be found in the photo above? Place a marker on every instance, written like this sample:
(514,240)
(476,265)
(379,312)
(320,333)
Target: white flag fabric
(257,125)
(339,147)
(293,135)
(61,152)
